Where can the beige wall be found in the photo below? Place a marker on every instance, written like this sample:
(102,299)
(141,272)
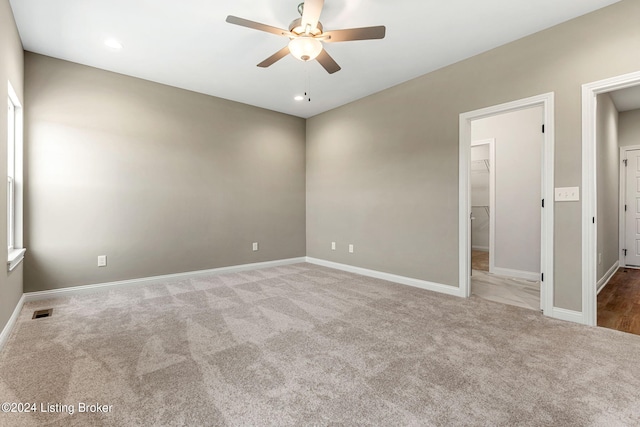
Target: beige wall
(518,175)
(11,69)
(629,128)
(163,180)
(159,179)
(608,177)
(382,172)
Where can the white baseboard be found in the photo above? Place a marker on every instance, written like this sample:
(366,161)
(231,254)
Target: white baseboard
(4,336)
(430,286)
(568,315)
(519,274)
(77,290)
(607,276)
(480,248)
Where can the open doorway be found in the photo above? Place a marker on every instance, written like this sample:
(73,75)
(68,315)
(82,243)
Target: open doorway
(506,181)
(616,194)
(483,183)
(605,224)
(513,257)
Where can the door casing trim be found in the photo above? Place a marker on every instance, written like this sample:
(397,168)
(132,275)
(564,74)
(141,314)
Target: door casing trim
(590,92)
(546,247)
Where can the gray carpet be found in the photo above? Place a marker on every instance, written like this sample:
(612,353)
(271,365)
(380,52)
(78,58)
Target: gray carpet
(306,345)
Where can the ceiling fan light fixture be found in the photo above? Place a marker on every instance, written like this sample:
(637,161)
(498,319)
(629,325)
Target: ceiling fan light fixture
(305,48)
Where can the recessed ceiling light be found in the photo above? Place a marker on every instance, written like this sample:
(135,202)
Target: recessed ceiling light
(113,44)
(298,97)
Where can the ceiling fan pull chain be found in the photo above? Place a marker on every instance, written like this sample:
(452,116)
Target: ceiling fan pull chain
(308,83)
(305,78)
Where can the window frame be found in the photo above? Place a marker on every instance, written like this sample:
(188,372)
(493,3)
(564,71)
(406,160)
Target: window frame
(11,200)
(15,250)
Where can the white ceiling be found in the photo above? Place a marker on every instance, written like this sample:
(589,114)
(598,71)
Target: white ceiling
(626,99)
(188,44)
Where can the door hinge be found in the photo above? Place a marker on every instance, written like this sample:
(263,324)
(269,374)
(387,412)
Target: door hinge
(542,278)
(625,252)
(625,208)
(625,162)
(542,128)
(543,203)
(593,219)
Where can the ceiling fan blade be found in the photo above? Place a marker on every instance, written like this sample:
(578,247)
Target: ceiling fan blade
(364,33)
(257,26)
(275,57)
(311,13)
(327,62)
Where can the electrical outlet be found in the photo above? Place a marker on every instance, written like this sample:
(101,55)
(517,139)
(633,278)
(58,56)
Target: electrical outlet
(255,246)
(600,258)
(102,260)
(333,246)
(350,249)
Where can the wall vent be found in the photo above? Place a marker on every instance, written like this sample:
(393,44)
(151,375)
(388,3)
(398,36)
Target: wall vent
(39,314)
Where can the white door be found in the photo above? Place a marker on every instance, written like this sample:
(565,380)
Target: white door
(632,214)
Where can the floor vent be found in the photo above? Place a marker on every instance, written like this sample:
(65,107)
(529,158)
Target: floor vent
(39,314)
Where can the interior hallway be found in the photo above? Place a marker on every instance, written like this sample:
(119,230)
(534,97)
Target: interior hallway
(619,302)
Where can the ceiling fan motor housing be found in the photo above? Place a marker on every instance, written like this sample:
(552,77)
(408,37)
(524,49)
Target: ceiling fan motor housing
(296,28)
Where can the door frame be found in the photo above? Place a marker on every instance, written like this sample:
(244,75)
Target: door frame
(546,239)
(491,142)
(622,240)
(590,92)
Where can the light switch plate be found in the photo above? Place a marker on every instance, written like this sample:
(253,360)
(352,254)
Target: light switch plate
(567,194)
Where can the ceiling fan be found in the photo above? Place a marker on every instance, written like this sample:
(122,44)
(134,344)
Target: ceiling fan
(306,35)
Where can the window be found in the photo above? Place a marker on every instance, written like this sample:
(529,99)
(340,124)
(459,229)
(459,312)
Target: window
(14,180)
(11,170)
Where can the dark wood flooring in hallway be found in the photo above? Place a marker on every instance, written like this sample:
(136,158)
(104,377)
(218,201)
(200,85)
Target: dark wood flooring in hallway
(619,302)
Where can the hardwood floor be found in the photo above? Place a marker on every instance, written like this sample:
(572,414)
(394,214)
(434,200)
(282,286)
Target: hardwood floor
(619,302)
(480,260)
